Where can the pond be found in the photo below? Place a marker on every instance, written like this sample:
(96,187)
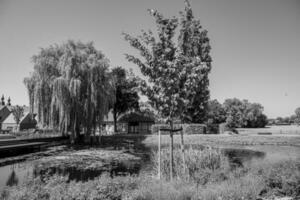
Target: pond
(238,155)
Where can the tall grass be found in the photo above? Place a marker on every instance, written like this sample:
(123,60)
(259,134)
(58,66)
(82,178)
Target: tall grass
(200,166)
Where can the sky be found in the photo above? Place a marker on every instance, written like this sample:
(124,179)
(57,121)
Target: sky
(255,43)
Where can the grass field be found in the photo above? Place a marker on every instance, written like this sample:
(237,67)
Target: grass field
(241,139)
(274,130)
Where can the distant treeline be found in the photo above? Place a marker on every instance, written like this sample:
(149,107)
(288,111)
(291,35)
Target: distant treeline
(237,113)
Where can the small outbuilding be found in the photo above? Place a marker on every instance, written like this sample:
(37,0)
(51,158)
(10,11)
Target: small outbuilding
(136,123)
(129,123)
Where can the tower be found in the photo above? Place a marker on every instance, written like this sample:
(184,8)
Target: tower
(2,100)
(8,102)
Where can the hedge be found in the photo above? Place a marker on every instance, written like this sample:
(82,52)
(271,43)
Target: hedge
(187,128)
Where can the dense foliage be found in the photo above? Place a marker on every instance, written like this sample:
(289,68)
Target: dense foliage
(244,114)
(176,71)
(127,97)
(237,113)
(216,112)
(297,117)
(71,87)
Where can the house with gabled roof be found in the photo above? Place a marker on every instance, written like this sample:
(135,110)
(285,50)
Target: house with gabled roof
(28,121)
(4,113)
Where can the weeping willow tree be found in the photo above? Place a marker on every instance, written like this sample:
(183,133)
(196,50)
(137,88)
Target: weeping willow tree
(39,84)
(71,88)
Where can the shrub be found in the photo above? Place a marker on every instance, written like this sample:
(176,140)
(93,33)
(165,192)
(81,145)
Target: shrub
(212,128)
(58,187)
(247,187)
(283,178)
(188,129)
(194,129)
(151,189)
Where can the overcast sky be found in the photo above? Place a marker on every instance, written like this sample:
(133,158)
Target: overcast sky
(255,43)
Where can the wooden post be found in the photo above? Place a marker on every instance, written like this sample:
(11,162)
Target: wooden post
(159,155)
(171,155)
(171,151)
(182,151)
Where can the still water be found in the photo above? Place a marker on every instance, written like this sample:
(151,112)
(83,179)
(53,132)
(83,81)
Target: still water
(239,155)
(15,173)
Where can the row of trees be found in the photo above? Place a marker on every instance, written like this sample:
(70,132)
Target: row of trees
(295,118)
(237,113)
(72,88)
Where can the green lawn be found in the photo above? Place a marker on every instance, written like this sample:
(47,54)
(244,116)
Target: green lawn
(241,139)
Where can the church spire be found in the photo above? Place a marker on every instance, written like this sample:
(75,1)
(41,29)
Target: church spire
(8,102)
(2,100)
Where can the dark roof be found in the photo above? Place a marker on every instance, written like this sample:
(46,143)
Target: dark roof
(4,113)
(135,117)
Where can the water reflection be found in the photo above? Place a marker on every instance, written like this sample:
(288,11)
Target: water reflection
(73,173)
(238,157)
(12,179)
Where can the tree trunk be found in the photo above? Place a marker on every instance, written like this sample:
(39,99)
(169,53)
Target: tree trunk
(182,151)
(159,154)
(73,133)
(115,121)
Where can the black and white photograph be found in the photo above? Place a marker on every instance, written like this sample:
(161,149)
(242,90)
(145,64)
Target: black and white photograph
(149,99)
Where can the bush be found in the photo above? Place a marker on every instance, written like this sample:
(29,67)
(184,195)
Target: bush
(247,187)
(188,129)
(194,129)
(58,187)
(151,189)
(283,178)
(212,128)
(224,128)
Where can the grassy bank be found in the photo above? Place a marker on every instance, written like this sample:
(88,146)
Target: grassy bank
(207,176)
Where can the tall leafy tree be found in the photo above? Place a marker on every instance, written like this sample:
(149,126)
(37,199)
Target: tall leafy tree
(297,112)
(72,87)
(127,97)
(242,113)
(39,83)
(18,113)
(234,109)
(146,109)
(216,112)
(175,69)
(254,117)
